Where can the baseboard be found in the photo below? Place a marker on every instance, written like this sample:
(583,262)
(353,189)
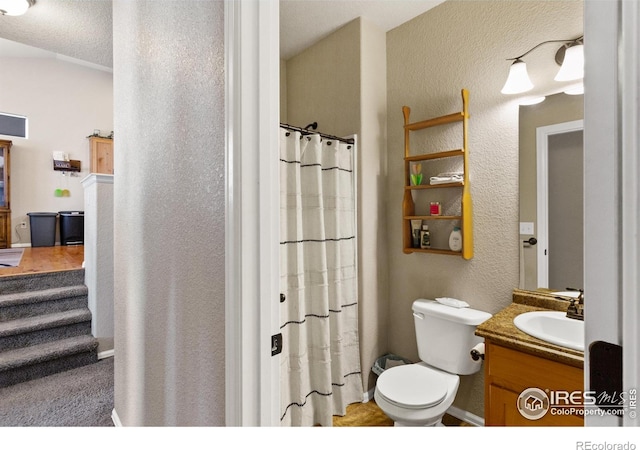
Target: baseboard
(106,354)
(115,418)
(466,416)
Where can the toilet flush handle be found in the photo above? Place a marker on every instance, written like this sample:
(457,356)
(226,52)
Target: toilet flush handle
(418,315)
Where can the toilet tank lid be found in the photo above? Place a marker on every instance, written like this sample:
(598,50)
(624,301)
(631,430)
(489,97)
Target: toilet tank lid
(466,316)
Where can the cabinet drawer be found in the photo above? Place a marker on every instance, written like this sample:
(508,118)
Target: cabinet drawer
(517,371)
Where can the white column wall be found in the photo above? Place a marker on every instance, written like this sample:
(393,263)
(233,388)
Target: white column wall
(169,212)
(98,255)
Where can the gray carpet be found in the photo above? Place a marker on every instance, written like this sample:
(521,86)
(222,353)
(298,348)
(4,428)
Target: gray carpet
(81,397)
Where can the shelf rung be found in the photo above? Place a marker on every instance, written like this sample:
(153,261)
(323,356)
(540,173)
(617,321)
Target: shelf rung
(455,117)
(434,186)
(432,217)
(431,250)
(435,155)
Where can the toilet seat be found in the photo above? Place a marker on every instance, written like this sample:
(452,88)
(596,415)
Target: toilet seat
(414,386)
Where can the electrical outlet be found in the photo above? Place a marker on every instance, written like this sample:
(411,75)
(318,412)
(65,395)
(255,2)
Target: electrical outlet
(23,224)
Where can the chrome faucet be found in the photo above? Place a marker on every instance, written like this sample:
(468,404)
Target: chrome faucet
(576,305)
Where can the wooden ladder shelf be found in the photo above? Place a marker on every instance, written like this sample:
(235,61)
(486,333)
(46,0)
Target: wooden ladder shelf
(408,207)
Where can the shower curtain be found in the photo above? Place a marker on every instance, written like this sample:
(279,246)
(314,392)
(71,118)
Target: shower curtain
(320,362)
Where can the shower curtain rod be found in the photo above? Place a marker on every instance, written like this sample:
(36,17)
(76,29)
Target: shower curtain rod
(305,132)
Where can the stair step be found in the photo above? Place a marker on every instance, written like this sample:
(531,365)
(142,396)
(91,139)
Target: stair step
(30,303)
(37,361)
(39,281)
(31,331)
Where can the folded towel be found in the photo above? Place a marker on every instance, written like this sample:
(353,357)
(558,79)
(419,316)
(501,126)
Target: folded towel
(447,177)
(438,179)
(453,302)
(450,174)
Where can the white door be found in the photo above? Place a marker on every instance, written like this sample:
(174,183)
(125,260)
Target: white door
(559,205)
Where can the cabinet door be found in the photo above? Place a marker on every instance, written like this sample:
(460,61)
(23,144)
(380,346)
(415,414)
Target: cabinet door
(102,156)
(4,237)
(4,175)
(503,411)
(509,372)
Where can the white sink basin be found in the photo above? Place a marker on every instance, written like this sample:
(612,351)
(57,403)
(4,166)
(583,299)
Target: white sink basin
(553,327)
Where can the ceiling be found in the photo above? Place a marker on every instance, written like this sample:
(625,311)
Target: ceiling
(81,29)
(305,22)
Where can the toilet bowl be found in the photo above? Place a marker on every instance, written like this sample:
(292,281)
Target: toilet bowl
(420,394)
(416,394)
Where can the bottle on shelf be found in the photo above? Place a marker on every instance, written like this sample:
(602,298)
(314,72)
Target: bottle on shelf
(455,240)
(425,237)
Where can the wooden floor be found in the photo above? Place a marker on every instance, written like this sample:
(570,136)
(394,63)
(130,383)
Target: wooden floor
(370,415)
(47,259)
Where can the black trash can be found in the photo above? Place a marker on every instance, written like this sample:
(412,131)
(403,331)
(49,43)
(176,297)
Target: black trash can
(71,227)
(43,228)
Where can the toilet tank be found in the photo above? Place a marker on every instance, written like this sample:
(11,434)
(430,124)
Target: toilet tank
(445,335)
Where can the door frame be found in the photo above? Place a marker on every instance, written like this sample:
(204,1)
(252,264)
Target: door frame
(252,227)
(542,187)
(612,137)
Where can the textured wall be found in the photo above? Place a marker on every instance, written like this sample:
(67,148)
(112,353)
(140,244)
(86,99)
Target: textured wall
(323,83)
(372,229)
(64,103)
(464,44)
(169,212)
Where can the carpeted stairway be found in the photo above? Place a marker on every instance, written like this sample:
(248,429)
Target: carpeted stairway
(45,325)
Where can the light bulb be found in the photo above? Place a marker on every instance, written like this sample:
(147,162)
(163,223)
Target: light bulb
(14,7)
(573,64)
(518,80)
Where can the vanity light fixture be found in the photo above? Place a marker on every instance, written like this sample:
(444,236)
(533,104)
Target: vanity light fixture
(570,57)
(15,7)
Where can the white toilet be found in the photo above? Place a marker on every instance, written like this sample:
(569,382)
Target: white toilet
(420,394)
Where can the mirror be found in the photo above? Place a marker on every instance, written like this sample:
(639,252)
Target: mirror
(550,168)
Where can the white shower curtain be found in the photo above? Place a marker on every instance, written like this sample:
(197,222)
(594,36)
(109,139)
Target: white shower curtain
(320,363)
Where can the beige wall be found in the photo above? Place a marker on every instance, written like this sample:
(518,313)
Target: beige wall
(323,83)
(464,44)
(340,82)
(64,102)
(555,109)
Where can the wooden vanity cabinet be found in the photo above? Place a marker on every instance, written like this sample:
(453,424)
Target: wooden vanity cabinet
(5,197)
(101,155)
(508,372)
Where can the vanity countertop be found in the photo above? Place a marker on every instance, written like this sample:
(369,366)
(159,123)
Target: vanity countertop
(501,330)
